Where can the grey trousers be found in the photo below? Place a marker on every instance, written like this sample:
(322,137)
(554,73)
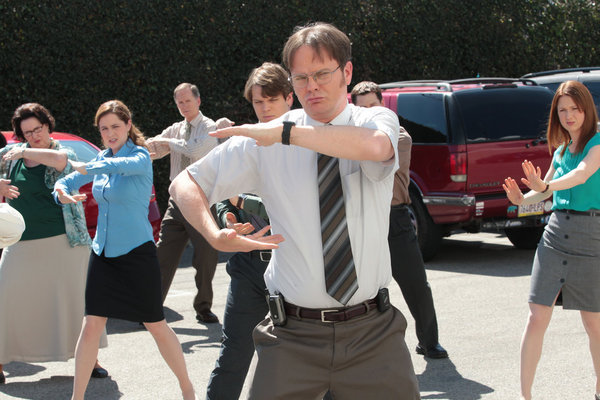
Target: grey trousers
(364,358)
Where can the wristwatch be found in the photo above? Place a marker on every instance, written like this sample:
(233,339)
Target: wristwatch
(285,134)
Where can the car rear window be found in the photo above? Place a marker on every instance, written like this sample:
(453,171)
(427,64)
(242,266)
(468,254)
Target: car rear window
(84,151)
(423,116)
(504,113)
(594,88)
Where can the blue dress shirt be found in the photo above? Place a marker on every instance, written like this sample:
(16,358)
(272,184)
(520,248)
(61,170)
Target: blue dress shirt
(122,188)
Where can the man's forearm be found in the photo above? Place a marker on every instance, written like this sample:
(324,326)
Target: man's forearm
(349,142)
(193,204)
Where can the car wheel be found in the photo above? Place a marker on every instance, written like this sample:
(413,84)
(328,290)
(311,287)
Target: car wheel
(526,238)
(429,234)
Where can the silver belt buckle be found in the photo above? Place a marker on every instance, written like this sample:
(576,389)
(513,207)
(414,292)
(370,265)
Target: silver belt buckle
(323,315)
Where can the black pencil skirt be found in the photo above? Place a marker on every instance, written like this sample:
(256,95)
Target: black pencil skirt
(125,287)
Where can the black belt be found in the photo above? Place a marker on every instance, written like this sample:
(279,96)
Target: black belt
(399,206)
(331,315)
(262,255)
(595,213)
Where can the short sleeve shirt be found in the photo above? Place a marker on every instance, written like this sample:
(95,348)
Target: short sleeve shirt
(285,177)
(581,197)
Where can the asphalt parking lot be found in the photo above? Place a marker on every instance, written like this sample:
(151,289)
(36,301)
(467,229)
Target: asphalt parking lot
(480,284)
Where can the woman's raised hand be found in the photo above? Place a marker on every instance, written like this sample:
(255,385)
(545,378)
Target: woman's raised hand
(14,154)
(513,192)
(533,177)
(67,199)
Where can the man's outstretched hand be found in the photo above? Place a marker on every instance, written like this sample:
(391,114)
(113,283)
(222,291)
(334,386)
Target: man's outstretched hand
(229,240)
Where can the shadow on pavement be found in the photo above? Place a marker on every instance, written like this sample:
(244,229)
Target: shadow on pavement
(441,376)
(59,387)
(118,326)
(172,315)
(17,368)
(475,257)
(212,337)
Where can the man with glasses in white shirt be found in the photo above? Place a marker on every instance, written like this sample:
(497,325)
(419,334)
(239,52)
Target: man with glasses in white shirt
(326,330)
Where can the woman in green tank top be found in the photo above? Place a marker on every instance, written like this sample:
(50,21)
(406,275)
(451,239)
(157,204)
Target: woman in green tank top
(567,259)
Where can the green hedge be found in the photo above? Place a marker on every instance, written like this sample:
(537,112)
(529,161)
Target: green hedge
(73,55)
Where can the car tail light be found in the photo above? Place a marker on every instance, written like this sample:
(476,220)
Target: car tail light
(458,167)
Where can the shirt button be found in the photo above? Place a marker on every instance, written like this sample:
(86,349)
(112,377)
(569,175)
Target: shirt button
(566,236)
(568,217)
(565,262)
(562,280)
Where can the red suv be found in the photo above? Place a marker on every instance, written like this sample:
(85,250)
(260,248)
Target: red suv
(86,151)
(468,135)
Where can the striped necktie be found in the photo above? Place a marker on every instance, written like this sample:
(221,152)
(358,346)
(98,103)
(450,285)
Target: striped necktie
(185,160)
(340,275)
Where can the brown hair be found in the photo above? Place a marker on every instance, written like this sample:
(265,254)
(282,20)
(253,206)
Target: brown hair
(183,86)
(29,110)
(320,36)
(122,112)
(365,87)
(582,97)
(272,79)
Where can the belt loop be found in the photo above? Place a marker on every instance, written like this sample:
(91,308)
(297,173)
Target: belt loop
(366,304)
(298,312)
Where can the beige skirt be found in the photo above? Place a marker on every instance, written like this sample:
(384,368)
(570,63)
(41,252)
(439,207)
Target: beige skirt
(42,285)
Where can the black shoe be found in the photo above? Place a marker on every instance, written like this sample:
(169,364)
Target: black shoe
(2,378)
(436,351)
(207,316)
(99,372)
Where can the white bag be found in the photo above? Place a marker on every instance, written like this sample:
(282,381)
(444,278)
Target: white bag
(12,225)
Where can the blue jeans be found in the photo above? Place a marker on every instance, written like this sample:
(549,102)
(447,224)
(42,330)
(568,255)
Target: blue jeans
(246,307)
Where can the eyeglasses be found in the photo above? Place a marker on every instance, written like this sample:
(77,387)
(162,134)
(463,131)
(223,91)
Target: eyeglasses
(321,77)
(35,130)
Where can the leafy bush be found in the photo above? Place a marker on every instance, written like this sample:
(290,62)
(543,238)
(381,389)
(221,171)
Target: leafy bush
(73,55)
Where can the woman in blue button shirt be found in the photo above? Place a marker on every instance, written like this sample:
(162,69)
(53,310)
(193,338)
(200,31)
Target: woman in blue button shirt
(568,255)
(124,276)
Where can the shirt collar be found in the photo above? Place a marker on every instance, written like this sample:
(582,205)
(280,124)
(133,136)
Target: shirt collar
(196,121)
(123,151)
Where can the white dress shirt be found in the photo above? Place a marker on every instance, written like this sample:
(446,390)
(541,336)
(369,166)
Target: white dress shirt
(199,144)
(285,177)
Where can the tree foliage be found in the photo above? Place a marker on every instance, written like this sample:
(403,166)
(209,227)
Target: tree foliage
(73,55)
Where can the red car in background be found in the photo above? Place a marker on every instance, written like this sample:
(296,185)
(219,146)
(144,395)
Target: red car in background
(86,151)
(468,135)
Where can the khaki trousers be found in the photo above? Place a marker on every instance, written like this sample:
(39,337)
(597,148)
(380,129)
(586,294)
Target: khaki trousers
(364,358)
(175,232)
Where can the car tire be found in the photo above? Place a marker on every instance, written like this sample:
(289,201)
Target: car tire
(526,238)
(429,234)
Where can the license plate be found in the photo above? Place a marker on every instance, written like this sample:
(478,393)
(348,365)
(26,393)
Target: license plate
(531,209)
